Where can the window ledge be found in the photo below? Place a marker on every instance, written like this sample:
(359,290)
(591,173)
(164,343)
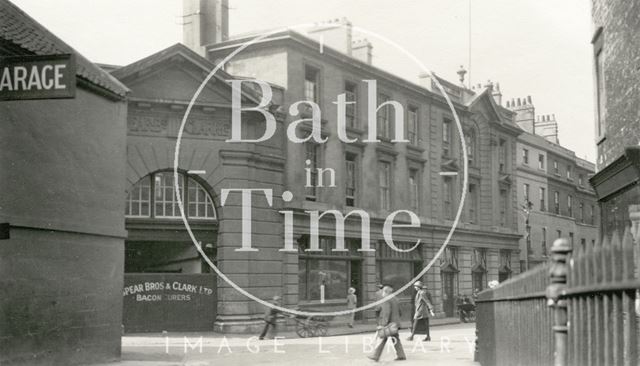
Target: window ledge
(415,148)
(386,148)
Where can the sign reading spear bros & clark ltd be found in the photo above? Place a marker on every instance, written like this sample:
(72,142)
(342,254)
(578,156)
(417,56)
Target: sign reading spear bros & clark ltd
(37,77)
(168,301)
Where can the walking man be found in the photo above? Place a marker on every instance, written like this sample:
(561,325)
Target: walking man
(388,326)
(423,309)
(352,301)
(377,297)
(270,317)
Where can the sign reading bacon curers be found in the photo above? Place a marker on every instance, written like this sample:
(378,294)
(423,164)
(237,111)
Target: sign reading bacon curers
(37,77)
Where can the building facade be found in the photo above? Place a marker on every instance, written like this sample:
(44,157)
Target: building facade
(422,175)
(385,176)
(553,189)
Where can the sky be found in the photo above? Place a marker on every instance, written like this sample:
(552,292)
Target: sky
(539,48)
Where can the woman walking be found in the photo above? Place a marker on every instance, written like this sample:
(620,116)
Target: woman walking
(423,309)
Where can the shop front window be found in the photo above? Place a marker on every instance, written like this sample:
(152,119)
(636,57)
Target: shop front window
(314,273)
(326,269)
(398,268)
(614,212)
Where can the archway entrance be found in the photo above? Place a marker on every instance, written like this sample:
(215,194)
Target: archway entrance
(168,286)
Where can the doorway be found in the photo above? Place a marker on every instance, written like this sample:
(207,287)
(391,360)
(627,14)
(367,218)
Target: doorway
(355,281)
(448,293)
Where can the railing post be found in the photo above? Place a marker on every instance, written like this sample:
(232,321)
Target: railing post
(558,275)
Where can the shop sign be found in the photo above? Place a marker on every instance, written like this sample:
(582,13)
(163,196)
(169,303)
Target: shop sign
(37,77)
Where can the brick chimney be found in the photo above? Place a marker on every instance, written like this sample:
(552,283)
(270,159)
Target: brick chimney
(204,22)
(525,113)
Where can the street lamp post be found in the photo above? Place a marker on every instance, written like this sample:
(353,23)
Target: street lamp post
(527,210)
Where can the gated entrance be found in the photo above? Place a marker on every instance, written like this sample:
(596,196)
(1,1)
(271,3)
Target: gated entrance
(154,302)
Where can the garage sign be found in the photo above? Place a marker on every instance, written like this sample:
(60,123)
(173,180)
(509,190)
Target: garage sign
(37,77)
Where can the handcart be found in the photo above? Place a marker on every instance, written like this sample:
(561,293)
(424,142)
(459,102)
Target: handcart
(312,326)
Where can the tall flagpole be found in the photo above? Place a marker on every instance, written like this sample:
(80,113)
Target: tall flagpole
(469,42)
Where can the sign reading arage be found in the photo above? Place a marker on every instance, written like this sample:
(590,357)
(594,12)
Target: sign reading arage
(37,77)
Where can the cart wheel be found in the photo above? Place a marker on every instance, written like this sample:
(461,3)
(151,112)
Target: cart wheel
(301,330)
(321,330)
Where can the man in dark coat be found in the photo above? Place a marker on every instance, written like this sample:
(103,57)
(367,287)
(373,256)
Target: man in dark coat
(270,317)
(389,313)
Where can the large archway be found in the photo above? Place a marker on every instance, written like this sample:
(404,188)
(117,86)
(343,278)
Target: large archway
(168,286)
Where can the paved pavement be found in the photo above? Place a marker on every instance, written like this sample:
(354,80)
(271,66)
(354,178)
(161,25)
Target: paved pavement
(450,345)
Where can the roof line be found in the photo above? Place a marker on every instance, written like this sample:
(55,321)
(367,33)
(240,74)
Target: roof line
(303,39)
(21,30)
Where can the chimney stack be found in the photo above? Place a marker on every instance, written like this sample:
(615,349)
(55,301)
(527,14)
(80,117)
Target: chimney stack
(547,127)
(362,50)
(205,22)
(497,94)
(525,113)
(335,33)
(426,81)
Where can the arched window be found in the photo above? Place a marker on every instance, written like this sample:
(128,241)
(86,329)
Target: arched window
(154,196)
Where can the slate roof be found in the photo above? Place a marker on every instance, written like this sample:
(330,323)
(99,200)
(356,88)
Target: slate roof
(19,29)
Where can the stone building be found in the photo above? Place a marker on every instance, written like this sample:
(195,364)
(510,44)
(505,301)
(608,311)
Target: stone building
(62,213)
(422,175)
(555,181)
(378,178)
(616,51)
(384,176)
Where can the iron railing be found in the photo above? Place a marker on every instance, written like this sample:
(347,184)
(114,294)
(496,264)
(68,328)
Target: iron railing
(513,322)
(578,309)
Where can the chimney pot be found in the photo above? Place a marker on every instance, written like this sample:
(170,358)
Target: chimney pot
(205,22)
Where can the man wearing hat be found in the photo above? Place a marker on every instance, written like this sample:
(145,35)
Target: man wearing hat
(270,317)
(379,295)
(423,309)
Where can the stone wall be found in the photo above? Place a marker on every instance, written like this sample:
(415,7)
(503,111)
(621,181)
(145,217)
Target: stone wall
(621,46)
(61,270)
